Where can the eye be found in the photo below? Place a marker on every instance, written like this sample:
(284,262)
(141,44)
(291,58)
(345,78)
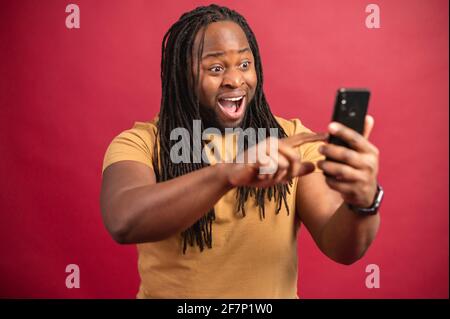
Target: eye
(216,69)
(245,65)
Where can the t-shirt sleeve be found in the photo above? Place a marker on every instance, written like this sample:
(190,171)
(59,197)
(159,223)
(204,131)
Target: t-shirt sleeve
(135,144)
(309,152)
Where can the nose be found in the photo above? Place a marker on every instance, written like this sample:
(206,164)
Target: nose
(233,79)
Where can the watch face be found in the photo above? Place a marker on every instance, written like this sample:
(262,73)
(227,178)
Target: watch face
(374,208)
(380,195)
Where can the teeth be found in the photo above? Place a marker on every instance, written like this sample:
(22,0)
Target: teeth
(233,98)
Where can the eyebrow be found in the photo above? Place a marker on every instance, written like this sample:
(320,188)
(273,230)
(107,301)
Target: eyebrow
(221,53)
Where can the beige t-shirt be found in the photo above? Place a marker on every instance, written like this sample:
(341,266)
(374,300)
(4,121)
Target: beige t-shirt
(249,258)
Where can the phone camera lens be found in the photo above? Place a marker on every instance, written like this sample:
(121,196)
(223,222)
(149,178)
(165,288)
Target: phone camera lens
(343,105)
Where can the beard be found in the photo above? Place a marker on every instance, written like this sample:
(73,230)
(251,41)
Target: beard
(210,119)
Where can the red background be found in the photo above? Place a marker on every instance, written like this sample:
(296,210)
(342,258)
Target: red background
(64,94)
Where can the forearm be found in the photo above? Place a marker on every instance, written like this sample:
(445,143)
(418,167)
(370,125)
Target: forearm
(347,235)
(155,212)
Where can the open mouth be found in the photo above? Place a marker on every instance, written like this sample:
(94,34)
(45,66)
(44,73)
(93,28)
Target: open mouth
(232,107)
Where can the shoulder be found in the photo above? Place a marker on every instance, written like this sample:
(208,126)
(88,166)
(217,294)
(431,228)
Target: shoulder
(145,131)
(142,135)
(292,126)
(136,144)
(308,151)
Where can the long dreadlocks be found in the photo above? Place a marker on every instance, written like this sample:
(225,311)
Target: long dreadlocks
(180,106)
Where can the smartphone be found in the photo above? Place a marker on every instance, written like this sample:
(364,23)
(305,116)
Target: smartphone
(350,109)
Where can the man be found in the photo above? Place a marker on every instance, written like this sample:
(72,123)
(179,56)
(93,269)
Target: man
(227,230)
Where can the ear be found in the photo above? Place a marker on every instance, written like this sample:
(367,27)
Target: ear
(368,126)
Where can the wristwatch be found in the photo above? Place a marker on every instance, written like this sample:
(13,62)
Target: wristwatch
(372,210)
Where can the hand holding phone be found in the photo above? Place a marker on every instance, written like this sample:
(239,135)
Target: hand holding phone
(360,190)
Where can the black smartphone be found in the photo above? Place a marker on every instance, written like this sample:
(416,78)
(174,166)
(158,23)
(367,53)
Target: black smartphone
(350,109)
